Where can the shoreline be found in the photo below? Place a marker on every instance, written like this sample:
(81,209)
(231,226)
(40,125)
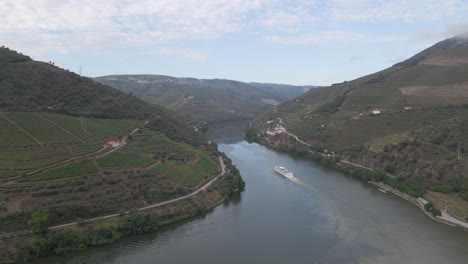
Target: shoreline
(445,219)
(418,204)
(12,255)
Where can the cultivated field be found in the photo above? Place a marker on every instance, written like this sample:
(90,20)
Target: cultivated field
(148,169)
(25,129)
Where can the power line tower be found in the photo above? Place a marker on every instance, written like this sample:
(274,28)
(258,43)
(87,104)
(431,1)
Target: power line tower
(83,124)
(80,70)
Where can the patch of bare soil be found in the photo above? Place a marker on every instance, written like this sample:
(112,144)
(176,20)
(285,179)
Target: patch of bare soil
(454,91)
(445,61)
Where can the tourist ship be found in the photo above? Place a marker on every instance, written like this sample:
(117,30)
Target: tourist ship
(283,171)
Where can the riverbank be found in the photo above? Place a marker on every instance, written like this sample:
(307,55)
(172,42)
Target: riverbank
(79,235)
(420,202)
(297,148)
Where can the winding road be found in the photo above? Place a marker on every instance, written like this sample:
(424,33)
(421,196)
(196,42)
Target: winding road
(204,187)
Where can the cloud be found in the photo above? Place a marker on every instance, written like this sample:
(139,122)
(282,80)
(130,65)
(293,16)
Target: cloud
(457,29)
(66,26)
(423,39)
(75,25)
(184,53)
(381,10)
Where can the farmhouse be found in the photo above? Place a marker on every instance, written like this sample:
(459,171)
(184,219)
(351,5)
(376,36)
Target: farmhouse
(113,143)
(275,130)
(407,108)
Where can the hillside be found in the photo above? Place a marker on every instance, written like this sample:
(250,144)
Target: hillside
(408,120)
(74,149)
(205,100)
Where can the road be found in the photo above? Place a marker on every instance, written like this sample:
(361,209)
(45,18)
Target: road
(297,139)
(326,155)
(204,187)
(89,156)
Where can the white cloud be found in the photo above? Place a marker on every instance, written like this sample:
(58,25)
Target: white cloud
(76,24)
(184,53)
(37,27)
(379,10)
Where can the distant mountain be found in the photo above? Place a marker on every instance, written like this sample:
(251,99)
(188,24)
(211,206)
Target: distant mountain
(207,100)
(409,120)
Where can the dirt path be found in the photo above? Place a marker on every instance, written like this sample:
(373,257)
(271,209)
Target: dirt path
(204,187)
(297,138)
(341,161)
(89,156)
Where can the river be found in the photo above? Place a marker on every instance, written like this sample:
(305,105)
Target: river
(319,217)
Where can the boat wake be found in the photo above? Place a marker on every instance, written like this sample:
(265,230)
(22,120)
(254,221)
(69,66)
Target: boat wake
(301,183)
(290,176)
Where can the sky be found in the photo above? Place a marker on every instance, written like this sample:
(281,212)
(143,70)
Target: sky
(292,42)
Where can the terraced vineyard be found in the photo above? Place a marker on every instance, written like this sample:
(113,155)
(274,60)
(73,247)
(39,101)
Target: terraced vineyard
(31,141)
(26,129)
(21,162)
(150,167)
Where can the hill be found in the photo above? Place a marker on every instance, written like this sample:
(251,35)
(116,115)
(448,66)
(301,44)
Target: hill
(75,149)
(205,100)
(408,120)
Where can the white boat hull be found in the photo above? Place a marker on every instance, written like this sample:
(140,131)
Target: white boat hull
(284,172)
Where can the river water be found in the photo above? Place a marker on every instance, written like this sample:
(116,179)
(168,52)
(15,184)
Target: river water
(319,217)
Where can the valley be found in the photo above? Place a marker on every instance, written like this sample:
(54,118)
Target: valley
(67,164)
(205,100)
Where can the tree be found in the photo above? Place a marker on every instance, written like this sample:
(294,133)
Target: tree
(40,220)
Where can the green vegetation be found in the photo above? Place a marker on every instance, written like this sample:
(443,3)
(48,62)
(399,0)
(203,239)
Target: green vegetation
(40,220)
(203,169)
(10,135)
(230,183)
(54,128)
(32,154)
(333,106)
(163,167)
(429,207)
(49,115)
(126,158)
(250,135)
(419,136)
(86,149)
(32,85)
(211,99)
(179,172)
(66,171)
(57,243)
(35,164)
(10,56)
(457,185)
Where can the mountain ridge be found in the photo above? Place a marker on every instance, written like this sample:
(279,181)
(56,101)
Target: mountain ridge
(208,100)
